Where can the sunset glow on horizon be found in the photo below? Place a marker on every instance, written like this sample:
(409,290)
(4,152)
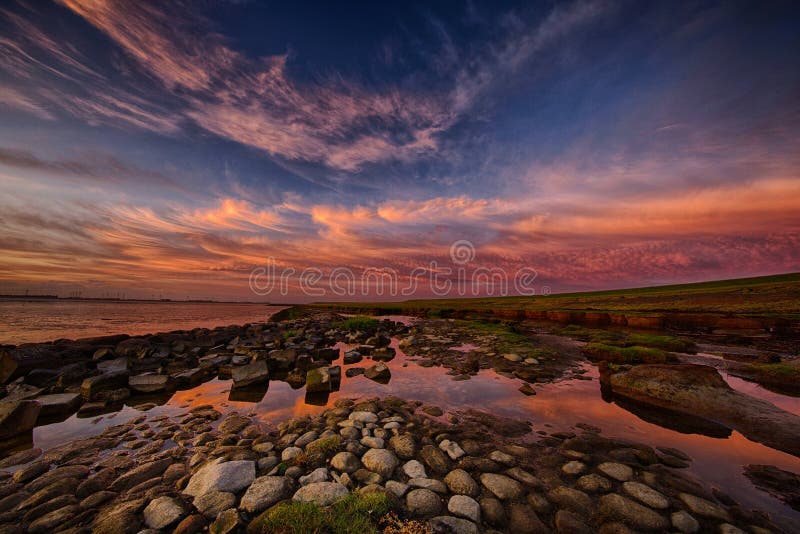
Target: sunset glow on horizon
(169,149)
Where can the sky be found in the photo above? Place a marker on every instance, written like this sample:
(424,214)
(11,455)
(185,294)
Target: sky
(259,150)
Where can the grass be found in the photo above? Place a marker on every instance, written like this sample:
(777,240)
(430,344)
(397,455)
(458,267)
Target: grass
(779,371)
(610,353)
(354,514)
(777,295)
(618,338)
(359,323)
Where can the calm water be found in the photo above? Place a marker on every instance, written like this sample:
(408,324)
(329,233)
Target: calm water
(35,321)
(558,406)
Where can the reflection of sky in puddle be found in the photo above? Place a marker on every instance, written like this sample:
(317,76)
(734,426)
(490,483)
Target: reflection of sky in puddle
(556,406)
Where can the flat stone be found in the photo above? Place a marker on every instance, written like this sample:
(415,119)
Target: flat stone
(501,486)
(684,522)
(363,417)
(571,499)
(264,492)
(428,483)
(703,507)
(645,494)
(162,512)
(51,521)
(522,519)
(464,506)
(593,483)
(372,442)
(222,476)
(502,458)
(212,503)
(321,493)
(59,403)
(149,383)
(453,450)
(632,513)
(17,417)
(252,373)
(620,472)
(573,468)
(453,525)
(414,469)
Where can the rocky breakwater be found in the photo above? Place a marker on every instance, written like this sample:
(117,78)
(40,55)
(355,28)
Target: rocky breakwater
(361,466)
(700,391)
(48,382)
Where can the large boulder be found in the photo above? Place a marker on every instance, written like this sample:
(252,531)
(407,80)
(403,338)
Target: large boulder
(264,492)
(59,403)
(222,476)
(17,417)
(321,493)
(134,348)
(252,373)
(93,388)
(700,391)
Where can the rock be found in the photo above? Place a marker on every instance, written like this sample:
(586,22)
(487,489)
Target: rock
(645,494)
(321,493)
(461,483)
(404,446)
(17,417)
(501,486)
(119,519)
(51,521)
(210,504)
(512,357)
(423,502)
(59,403)
(616,471)
(493,512)
(222,476)
(234,423)
(571,499)
(523,520)
(573,468)
(149,383)
(99,387)
(428,483)
(593,483)
(351,357)
(140,474)
(192,524)
(378,372)
(727,528)
(21,457)
(30,471)
(372,442)
(317,475)
(617,507)
(703,507)
(162,512)
(363,417)
(306,438)
(346,462)
(253,373)
(464,506)
(453,450)
(445,524)
(226,522)
(434,459)
(381,461)
(290,453)
(318,380)
(527,390)
(502,458)
(781,484)
(398,488)
(113,366)
(700,391)
(684,522)
(414,469)
(264,492)
(567,522)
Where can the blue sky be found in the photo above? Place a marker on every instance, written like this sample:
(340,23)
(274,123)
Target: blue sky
(158,147)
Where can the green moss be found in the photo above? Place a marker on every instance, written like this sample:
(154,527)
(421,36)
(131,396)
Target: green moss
(668,343)
(777,370)
(635,354)
(354,514)
(318,451)
(359,323)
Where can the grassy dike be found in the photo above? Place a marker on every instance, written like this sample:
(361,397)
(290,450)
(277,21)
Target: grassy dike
(769,302)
